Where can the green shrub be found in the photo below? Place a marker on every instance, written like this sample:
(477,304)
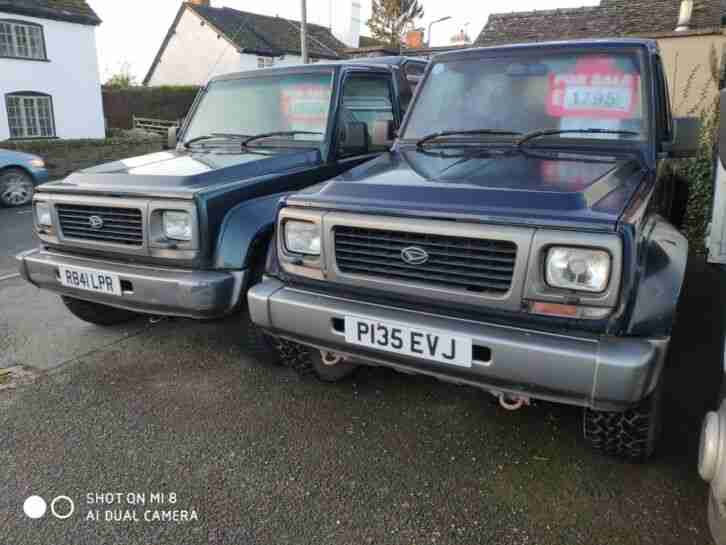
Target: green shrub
(698,173)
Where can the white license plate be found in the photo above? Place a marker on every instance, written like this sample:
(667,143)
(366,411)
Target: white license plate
(90,280)
(409,340)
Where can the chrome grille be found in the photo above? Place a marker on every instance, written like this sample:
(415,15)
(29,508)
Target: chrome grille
(119,225)
(468,264)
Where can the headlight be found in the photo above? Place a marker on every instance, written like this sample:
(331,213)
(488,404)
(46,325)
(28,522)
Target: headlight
(302,237)
(37,163)
(578,269)
(42,214)
(177,225)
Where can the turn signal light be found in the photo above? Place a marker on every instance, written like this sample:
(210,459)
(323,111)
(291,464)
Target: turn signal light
(568,311)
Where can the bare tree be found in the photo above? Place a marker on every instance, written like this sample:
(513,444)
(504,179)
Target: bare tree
(390,19)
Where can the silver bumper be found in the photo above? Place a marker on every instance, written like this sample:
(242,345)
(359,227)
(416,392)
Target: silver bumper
(712,468)
(151,290)
(607,373)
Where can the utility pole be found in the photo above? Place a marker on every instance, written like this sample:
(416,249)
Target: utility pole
(304,32)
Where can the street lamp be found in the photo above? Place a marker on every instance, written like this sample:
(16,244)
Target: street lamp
(433,23)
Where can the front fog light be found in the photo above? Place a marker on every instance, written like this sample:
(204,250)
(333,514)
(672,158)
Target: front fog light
(42,214)
(302,237)
(578,269)
(177,225)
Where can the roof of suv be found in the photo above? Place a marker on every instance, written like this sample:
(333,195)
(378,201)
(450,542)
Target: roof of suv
(374,62)
(648,44)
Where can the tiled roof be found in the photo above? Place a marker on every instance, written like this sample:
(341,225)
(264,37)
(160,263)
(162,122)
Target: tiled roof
(367,41)
(611,18)
(74,11)
(270,35)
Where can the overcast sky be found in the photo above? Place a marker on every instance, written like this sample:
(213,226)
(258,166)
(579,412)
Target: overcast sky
(132,30)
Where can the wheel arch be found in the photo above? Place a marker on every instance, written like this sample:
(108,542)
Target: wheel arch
(663,272)
(245,231)
(25,169)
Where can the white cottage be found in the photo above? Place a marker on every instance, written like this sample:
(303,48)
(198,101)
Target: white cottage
(204,41)
(49,79)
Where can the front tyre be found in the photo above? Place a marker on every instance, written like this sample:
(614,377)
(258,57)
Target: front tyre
(96,313)
(325,366)
(16,187)
(632,434)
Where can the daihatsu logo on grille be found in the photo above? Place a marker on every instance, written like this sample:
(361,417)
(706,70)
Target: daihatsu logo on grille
(413,255)
(96,222)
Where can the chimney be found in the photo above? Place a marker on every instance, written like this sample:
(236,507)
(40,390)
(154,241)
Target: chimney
(345,21)
(414,39)
(684,18)
(202,3)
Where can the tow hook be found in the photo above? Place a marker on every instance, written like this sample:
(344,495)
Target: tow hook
(513,403)
(330,358)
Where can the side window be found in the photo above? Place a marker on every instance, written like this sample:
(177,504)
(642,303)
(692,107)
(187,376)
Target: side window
(367,100)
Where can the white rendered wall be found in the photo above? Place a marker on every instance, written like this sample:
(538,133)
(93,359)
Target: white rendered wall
(71,78)
(347,22)
(195,53)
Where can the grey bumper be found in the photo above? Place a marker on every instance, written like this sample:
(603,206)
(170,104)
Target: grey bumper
(607,373)
(151,290)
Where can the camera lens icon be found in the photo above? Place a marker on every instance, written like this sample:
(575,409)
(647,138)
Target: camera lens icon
(35,507)
(62,507)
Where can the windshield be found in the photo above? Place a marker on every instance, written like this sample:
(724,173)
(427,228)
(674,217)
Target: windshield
(265,104)
(544,91)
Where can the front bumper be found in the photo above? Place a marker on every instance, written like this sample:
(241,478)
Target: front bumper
(605,373)
(151,290)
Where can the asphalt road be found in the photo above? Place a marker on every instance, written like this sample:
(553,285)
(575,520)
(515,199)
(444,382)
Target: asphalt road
(16,235)
(261,456)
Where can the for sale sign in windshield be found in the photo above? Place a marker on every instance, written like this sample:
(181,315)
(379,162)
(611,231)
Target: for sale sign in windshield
(597,89)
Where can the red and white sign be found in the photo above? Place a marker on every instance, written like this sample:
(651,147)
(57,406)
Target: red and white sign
(306,105)
(597,89)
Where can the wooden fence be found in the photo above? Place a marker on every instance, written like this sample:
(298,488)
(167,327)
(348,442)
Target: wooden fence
(158,126)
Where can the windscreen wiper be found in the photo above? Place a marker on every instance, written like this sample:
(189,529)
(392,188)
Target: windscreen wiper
(213,136)
(435,135)
(550,132)
(271,134)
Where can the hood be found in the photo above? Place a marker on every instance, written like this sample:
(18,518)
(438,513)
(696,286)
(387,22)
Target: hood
(181,173)
(508,186)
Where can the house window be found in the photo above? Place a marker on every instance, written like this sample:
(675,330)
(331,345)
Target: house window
(22,40)
(265,62)
(30,115)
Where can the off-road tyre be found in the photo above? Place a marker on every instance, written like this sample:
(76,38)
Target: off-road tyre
(307,362)
(296,356)
(96,313)
(260,344)
(16,187)
(631,435)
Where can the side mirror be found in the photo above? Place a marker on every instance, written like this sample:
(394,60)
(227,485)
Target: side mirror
(171,137)
(384,133)
(686,136)
(354,138)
